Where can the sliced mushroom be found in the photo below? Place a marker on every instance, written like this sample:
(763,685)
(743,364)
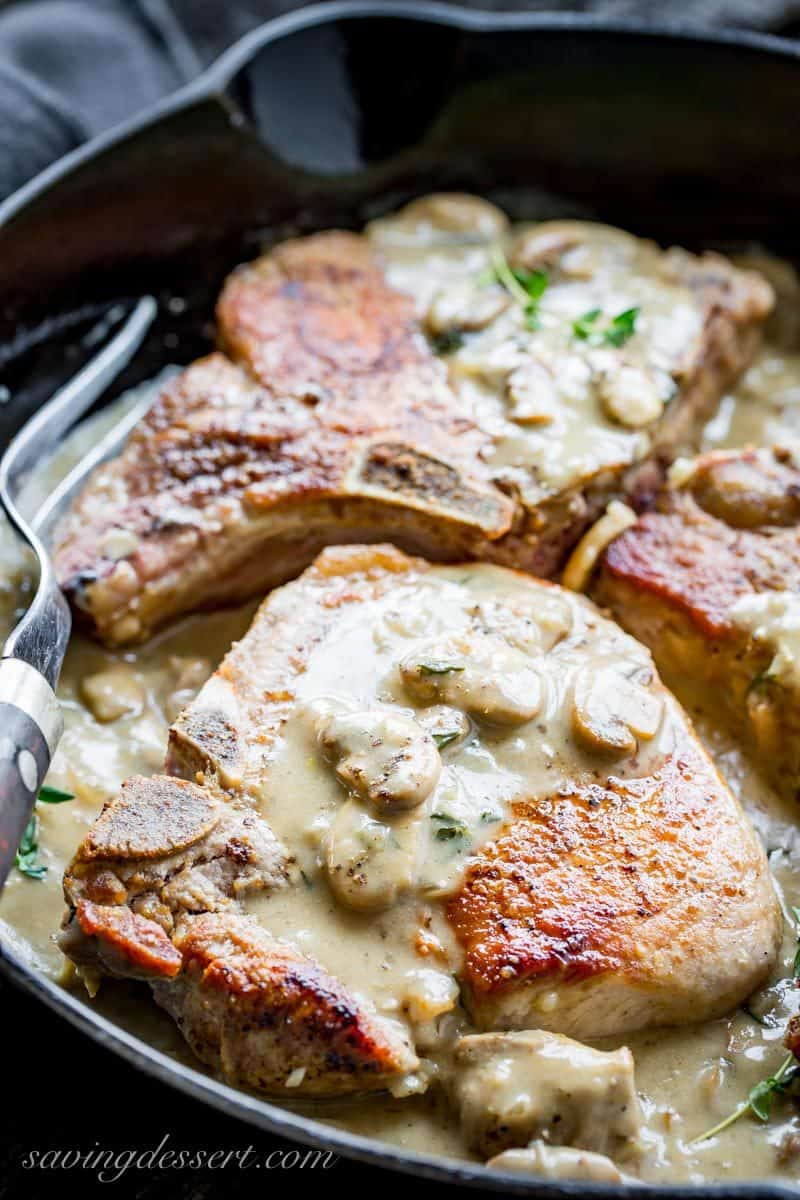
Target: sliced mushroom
(449,727)
(387,758)
(370,863)
(558,1162)
(543,246)
(113,694)
(581,563)
(465,307)
(190,674)
(611,708)
(631,397)
(512,1087)
(428,994)
(442,217)
(491,363)
(510,622)
(532,395)
(749,490)
(456,212)
(581,262)
(476,672)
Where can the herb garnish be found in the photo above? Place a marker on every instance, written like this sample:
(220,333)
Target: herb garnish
(622,326)
(51,795)
(760,1097)
(27,860)
(438,668)
(450,828)
(583,327)
(616,332)
(488,817)
(446,738)
(526,287)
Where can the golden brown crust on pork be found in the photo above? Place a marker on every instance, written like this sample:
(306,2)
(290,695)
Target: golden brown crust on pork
(608,904)
(731,532)
(622,882)
(261,1011)
(335,422)
(154,893)
(639,888)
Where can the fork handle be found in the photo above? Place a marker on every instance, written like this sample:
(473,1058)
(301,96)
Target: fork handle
(30,726)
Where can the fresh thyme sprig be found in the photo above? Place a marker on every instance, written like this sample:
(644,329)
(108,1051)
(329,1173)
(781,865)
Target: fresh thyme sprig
(446,737)
(450,828)
(616,332)
(27,857)
(760,1097)
(526,287)
(51,795)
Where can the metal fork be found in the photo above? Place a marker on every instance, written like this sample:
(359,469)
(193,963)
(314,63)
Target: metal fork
(30,717)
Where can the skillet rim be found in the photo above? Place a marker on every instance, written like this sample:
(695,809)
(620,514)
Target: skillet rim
(264,1114)
(213,80)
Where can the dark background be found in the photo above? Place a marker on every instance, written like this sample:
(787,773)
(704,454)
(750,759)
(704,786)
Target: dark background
(71,68)
(68,70)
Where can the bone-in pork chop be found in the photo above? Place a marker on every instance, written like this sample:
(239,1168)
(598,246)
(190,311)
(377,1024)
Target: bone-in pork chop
(155,893)
(475,774)
(710,581)
(466,390)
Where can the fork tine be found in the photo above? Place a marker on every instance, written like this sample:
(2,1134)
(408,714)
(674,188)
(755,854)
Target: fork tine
(40,638)
(32,656)
(55,504)
(45,429)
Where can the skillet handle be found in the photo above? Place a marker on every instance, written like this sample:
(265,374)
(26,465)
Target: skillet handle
(30,726)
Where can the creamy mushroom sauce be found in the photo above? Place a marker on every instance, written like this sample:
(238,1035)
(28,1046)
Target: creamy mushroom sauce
(117,709)
(580,407)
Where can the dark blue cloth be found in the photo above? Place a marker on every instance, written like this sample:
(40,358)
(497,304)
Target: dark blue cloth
(71,68)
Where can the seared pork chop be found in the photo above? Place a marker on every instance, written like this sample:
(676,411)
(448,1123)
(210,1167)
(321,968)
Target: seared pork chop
(710,581)
(407,385)
(577,851)
(155,892)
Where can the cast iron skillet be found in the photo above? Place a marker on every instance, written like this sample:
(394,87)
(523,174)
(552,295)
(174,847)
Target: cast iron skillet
(328,117)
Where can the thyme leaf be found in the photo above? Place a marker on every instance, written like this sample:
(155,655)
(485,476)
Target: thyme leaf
(26,860)
(616,332)
(526,287)
(450,827)
(761,1095)
(622,327)
(759,1098)
(583,327)
(51,795)
(446,738)
(438,668)
(27,857)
